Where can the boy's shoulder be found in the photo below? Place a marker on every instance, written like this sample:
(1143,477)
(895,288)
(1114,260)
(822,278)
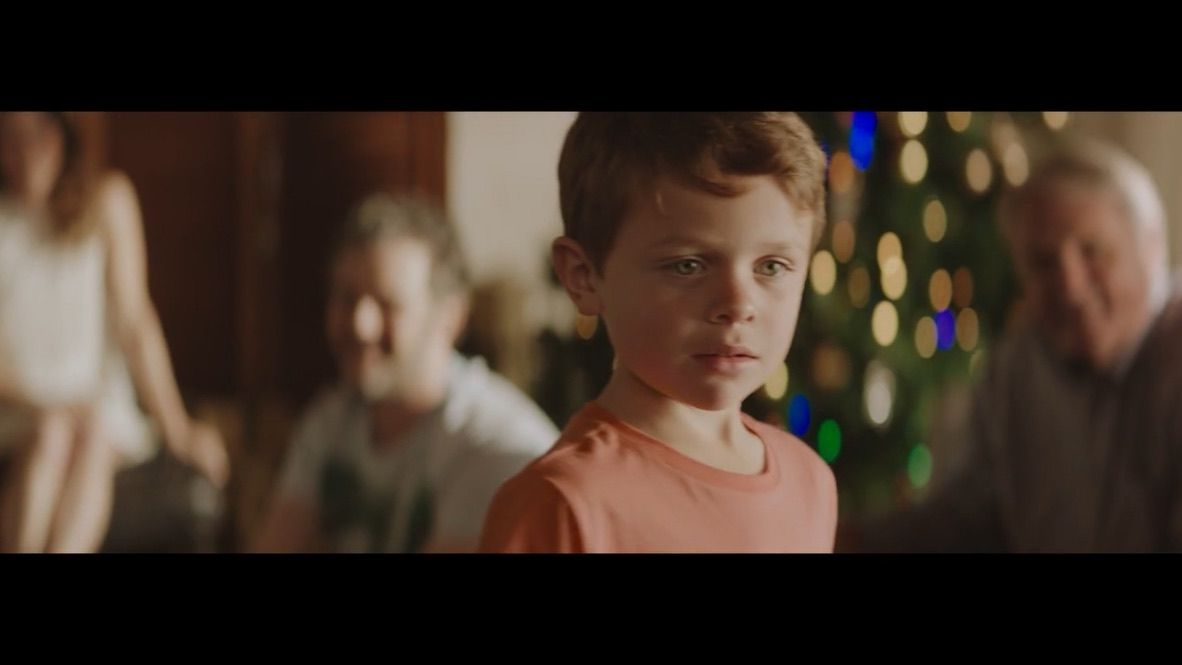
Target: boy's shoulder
(588,448)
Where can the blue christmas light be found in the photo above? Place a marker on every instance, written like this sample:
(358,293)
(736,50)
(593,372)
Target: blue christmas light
(945,329)
(862,132)
(799,415)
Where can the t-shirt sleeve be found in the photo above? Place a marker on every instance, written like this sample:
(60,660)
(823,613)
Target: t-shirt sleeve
(470,488)
(531,515)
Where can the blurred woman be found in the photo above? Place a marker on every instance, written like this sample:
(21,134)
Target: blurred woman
(77,326)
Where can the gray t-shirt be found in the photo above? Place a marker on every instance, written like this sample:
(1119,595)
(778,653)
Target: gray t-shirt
(435,484)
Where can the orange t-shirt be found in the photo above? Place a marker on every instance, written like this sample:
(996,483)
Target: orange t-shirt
(608,487)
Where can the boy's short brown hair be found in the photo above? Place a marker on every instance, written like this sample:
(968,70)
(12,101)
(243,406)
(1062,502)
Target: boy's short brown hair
(610,158)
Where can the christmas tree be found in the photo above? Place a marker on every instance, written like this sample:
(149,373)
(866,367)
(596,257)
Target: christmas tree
(910,284)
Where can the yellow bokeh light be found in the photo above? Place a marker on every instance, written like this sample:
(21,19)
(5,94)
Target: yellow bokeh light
(913,122)
(1015,165)
(823,272)
(888,246)
(884,323)
(925,337)
(777,384)
(978,171)
(959,120)
(967,329)
(913,161)
(878,392)
(935,220)
(831,367)
(894,278)
(940,289)
(841,172)
(843,240)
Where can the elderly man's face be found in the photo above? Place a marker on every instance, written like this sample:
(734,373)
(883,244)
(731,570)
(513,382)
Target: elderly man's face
(1087,270)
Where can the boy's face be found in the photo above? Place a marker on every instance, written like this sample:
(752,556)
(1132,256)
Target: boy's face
(700,293)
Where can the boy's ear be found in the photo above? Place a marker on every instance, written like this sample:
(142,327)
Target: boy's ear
(577,275)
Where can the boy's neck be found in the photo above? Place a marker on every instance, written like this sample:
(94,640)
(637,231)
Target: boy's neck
(717,438)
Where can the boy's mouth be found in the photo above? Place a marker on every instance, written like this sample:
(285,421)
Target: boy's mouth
(729,351)
(727,359)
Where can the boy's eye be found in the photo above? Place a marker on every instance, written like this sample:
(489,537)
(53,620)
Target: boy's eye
(686,266)
(772,268)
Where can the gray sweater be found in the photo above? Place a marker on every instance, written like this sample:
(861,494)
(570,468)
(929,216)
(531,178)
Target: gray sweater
(1058,458)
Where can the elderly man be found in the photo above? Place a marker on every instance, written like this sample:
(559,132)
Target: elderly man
(1074,438)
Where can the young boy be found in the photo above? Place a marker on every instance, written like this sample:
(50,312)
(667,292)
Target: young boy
(690,235)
